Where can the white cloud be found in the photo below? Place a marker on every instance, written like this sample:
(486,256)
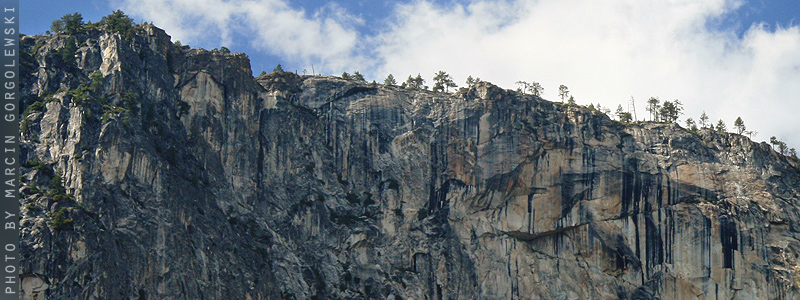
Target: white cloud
(326,37)
(605,51)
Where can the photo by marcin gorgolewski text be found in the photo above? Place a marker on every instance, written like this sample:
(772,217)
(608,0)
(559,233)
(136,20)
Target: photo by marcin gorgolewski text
(9,131)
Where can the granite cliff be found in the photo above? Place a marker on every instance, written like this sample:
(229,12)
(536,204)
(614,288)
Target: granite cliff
(156,171)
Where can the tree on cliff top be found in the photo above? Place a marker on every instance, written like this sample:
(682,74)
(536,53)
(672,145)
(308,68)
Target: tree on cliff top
(443,82)
(563,92)
(653,106)
(69,23)
(414,83)
(670,111)
(390,80)
(118,21)
(739,124)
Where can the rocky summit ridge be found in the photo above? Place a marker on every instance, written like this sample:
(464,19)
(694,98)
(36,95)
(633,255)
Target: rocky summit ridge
(156,171)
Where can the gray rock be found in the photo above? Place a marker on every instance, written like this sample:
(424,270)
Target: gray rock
(186,178)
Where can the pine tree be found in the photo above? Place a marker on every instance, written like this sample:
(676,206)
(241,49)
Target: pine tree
(443,82)
(721,127)
(703,120)
(774,141)
(389,80)
(523,86)
(739,125)
(691,125)
(470,81)
(358,76)
(563,92)
(536,89)
(670,111)
(653,107)
(69,23)
(782,148)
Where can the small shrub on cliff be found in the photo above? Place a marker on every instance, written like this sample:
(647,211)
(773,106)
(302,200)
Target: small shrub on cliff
(183,108)
(35,106)
(60,221)
(66,55)
(57,190)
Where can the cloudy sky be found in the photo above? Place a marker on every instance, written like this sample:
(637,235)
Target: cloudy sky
(729,58)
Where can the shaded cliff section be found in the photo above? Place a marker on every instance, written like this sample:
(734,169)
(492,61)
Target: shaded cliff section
(155,171)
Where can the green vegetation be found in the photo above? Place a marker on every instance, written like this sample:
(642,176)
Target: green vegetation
(358,77)
(278,69)
(35,106)
(414,83)
(57,190)
(73,23)
(704,120)
(721,127)
(653,107)
(60,221)
(183,108)
(622,115)
(472,82)
(690,124)
(670,111)
(739,125)
(69,23)
(66,54)
(443,82)
(32,208)
(224,50)
(390,80)
(563,92)
(118,21)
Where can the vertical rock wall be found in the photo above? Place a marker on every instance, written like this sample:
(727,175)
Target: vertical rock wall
(155,171)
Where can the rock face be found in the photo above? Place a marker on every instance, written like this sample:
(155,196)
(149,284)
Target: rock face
(161,172)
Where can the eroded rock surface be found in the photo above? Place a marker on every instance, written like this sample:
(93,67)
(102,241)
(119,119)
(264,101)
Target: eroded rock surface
(161,172)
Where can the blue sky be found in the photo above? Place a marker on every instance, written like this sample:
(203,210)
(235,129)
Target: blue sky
(728,57)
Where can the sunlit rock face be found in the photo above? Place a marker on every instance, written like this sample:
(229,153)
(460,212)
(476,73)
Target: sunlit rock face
(186,178)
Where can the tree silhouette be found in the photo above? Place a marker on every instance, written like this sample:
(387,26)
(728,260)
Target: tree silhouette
(563,92)
(739,125)
(443,82)
(653,107)
(536,89)
(414,83)
(389,80)
(670,111)
(523,86)
(622,115)
(774,141)
(721,127)
(69,23)
(704,120)
(690,124)
(118,21)
(358,76)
